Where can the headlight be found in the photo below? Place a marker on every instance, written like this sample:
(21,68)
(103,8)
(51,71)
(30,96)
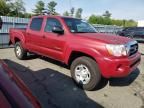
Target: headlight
(117,50)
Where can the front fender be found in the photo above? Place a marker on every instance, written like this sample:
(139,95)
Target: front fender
(88,51)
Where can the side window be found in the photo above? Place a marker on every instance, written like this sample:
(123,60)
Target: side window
(51,22)
(140,29)
(81,27)
(71,25)
(36,24)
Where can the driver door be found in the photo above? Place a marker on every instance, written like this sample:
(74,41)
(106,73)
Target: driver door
(54,43)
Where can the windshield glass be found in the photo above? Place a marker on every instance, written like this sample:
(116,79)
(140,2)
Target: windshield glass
(79,26)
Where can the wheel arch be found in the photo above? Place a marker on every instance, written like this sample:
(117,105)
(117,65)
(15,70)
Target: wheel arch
(76,54)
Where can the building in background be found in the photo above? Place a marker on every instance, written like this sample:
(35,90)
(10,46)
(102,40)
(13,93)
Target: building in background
(10,22)
(141,23)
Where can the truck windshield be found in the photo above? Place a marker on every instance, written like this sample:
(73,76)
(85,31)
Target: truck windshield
(79,26)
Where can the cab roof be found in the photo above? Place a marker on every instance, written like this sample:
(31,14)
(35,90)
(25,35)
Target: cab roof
(54,16)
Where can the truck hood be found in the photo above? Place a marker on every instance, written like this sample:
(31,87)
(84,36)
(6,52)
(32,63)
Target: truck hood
(105,38)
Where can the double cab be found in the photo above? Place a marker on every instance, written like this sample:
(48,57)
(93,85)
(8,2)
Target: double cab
(89,54)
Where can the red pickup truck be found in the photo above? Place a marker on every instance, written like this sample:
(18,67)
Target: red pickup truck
(89,54)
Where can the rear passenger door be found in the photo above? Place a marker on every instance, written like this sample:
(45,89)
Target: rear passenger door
(34,34)
(54,43)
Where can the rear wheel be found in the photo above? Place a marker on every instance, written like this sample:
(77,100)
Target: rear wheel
(85,73)
(20,52)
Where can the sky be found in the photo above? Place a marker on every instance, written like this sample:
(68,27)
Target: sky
(120,9)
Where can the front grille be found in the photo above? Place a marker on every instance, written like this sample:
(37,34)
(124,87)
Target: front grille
(133,49)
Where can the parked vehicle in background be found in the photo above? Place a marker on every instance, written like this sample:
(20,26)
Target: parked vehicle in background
(13,92)
(136,33)
(72,41)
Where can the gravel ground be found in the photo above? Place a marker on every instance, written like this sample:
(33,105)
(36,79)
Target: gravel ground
(51,83)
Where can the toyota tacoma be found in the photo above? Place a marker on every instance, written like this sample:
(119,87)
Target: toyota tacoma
(90,55)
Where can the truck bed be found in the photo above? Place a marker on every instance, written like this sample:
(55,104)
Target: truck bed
(17,29)
(16,32)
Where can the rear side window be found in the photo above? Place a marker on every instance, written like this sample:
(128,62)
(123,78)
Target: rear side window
(51,22)
(36,24)
(128,29)
(140,29)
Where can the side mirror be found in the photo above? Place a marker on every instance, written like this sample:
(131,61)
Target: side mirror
(57,29)
(1,23)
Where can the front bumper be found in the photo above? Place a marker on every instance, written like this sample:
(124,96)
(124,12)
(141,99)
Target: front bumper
(119,67)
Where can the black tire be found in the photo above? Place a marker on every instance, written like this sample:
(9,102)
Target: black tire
(93,69)
(23,53)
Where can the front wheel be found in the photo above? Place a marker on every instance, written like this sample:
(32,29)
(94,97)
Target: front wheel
(20,52)
(85,73)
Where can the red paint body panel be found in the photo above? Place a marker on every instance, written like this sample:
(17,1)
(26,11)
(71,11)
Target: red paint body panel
(118,67)
(3,101)
(13,92)
(60,47)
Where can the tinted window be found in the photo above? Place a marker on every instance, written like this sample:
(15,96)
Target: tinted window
(51,22)
(128,29)
(36,24)
(140,29)
(134,28)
